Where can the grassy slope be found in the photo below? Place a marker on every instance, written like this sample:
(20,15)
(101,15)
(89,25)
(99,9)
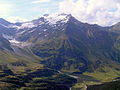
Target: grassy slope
(115,85)
(18,63)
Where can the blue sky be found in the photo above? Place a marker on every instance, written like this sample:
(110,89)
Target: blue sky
(28,9)
(102,12)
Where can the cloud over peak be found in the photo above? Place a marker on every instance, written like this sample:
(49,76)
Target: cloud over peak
(102,12)
(40,1)
(15,19)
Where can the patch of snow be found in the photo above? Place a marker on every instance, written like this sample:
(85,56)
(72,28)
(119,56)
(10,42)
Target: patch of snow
(45,30)
(14,26)
(54,18)
(22,32)
(27,25)
(40,22)
(31,31)
(18,43)
(7,36)
(14,41)
(23,25)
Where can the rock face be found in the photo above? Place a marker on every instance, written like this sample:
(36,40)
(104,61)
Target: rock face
(64,43)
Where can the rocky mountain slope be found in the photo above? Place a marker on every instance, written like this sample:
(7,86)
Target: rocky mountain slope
(61,42)
(64,43)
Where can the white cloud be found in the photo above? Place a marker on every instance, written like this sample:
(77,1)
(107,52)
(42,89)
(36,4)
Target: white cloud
(43,10)
(5,9)
(102,12)
(16,19)
(40,1)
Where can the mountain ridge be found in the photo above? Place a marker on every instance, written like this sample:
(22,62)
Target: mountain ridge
(59,44)
(67,40)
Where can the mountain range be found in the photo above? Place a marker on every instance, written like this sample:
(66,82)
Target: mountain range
(61,42)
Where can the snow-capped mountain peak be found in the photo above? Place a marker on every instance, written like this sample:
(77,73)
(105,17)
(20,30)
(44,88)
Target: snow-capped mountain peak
(55,18)
(50,19)
(23,25)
